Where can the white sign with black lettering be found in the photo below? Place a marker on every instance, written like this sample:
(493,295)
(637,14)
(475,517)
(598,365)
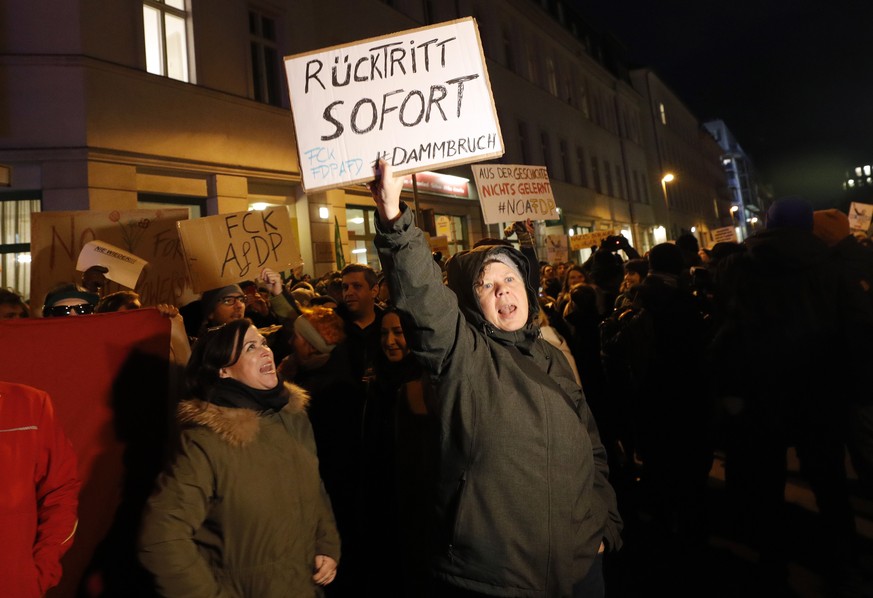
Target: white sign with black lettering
(514,192)
(421,99)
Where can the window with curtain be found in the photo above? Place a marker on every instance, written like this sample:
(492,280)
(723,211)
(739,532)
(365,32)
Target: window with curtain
(15,211)
(165,27)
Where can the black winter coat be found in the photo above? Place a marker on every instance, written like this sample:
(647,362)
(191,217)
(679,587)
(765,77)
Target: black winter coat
(523,493)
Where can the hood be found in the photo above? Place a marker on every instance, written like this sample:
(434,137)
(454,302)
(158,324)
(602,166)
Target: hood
(462,270)
(237,427)
(788,249)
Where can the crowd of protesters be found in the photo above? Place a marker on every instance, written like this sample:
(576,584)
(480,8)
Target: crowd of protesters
(376,433)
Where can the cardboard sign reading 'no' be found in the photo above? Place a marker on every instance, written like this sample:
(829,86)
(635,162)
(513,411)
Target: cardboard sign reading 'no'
(228,248)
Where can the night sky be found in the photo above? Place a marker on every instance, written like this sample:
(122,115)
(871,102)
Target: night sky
(793,81)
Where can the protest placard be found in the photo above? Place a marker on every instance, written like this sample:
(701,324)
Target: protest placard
(228,248)
(122,267)
(589,240)
(57,240)
(513,192)
(439,243)
(860,215)
(419,98)
(556,248)
(725,234)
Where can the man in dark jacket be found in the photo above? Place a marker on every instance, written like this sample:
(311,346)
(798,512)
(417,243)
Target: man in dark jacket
(523,497)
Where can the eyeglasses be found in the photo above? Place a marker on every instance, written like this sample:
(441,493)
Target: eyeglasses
(59,311)
(231,299)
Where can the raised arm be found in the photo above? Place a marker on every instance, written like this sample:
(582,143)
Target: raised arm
(386,190)
(416,282)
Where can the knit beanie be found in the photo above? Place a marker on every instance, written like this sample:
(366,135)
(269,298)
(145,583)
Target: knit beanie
(831,226)
(790,212)
(500,256)
(211,297)
(304,328)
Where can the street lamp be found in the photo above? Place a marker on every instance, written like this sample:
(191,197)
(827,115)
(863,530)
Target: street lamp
(667,178)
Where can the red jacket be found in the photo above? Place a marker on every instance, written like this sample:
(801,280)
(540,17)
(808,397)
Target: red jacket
(39,492)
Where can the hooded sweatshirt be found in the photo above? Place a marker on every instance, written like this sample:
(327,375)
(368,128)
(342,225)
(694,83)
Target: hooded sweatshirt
(522,497)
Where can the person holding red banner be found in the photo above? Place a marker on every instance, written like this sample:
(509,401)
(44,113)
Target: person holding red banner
(40,493)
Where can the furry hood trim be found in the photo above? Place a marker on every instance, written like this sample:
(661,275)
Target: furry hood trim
(237,427)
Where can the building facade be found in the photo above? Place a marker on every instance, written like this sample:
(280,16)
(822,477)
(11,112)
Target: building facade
(118,105)
(686,163)
(741,180)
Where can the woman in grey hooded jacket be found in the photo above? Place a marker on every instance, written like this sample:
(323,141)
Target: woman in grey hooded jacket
(524,503)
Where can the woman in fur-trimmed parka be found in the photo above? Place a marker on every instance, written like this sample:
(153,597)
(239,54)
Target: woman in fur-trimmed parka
(242,510)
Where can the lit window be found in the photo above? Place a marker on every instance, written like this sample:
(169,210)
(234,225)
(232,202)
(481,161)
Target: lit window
(851,183)
(15,222)
(165,24)
(858,171)
(867,170)
(663,111)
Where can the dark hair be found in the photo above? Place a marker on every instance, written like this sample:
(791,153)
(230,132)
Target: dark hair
(639,266)
(565,287)
(369,273)
(115,301)
(216,348)
(10,297)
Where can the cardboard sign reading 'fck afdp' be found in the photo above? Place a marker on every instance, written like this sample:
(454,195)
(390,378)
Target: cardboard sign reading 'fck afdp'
(420,99)
(228,248)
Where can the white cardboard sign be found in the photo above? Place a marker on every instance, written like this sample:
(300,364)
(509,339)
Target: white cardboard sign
(557,248)
(513,192)
(725,234)
(860,215)
(123,267)
(421,99)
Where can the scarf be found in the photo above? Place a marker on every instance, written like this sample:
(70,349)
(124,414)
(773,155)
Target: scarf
(228,392)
